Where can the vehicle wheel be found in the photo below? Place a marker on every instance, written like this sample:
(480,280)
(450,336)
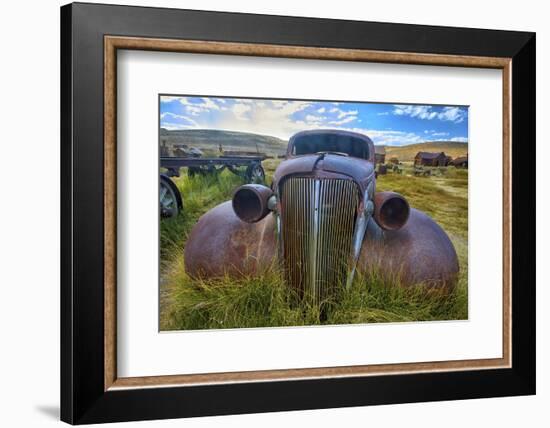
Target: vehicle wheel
(255,174)
(169,199)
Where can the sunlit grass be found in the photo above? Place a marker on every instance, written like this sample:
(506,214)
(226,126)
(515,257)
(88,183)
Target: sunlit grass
(199,194)
(265,301)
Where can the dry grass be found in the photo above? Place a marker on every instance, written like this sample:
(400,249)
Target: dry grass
(265,301)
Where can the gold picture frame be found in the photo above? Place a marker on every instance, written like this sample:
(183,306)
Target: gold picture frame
(114,43)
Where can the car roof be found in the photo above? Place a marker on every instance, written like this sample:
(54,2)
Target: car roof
(331,132)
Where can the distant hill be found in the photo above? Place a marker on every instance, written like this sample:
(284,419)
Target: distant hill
(210,139)
(407,153)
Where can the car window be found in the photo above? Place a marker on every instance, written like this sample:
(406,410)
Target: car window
(314,143)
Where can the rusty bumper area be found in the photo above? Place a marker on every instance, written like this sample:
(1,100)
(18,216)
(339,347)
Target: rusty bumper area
(418,253)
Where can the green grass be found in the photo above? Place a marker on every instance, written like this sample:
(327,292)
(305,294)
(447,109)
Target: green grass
(199,193)
(265,301)
(445,198)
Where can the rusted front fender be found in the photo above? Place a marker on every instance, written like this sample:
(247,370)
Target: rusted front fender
(420,252)
(220,243)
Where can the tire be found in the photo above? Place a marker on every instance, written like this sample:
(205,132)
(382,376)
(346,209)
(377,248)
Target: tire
(255,174)
(170,201)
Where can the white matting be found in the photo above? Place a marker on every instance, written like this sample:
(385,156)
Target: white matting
(144,351)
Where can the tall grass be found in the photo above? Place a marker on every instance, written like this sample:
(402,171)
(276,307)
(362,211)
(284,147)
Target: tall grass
(199,194)
(265,300)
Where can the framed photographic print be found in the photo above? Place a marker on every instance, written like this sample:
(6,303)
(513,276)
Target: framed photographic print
(265,213)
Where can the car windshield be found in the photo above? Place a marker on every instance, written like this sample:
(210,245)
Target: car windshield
(315,143)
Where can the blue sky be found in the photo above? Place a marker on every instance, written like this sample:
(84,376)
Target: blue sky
(389,124)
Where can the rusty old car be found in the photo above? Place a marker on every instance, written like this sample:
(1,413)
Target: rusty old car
(322,221)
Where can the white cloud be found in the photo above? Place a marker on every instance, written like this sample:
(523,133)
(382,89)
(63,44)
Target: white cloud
(393,138)
(175,126)
(209,104)
(343,121)
(168,99)
(171,120)
(321,110)
(340,114)
(198,105)
(240,110)
(388,137)
(310,118)
(343,114)
(268,117)
(195,111)
(177,116)
(459,139)
(422,112)
(453,114)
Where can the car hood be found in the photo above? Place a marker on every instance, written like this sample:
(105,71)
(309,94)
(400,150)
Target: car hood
(326,166)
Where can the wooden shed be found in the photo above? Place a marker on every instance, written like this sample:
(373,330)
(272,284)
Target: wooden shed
(430,159)
(461,162)
(380,154)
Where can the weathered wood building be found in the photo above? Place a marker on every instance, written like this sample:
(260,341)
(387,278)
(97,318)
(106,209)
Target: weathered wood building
(380,154)
(430,159)
(461,162)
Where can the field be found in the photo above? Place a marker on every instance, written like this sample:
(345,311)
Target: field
(408,152)
(265,301)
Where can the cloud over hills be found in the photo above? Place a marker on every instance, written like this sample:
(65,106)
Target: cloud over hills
(388,124)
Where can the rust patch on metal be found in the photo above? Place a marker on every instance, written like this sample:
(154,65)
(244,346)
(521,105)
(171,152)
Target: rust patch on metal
(221,243)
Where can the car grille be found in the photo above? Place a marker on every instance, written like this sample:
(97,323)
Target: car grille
(317,223)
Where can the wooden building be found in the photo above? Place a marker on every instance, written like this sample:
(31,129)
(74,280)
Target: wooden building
(430,159)
(380,154)
(461,162)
